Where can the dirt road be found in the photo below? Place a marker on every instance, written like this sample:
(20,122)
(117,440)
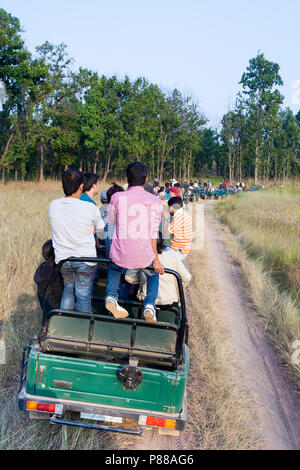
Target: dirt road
(274,417)
(277,403)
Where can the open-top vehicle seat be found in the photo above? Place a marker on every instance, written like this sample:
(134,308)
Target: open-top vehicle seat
(99,334)
(76,333)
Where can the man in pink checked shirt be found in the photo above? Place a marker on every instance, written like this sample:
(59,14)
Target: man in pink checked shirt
(136,215)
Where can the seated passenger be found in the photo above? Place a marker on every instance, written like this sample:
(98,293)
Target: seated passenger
(109,230)
(137,216)
(90,187)
(175,191)
(43,275)
(180,228)
(168,289)
(74,223)
(90,191)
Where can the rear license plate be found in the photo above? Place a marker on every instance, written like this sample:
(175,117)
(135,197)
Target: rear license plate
(108,419)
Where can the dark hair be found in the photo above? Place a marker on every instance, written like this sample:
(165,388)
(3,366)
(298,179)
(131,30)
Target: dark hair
(176,185)
(115,188)
(71,180)
(160,244)
(175,201)
(136,174)
(167,185)
(89,179)
(48,251)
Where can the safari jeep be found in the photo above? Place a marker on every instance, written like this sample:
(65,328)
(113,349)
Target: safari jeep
(98,372)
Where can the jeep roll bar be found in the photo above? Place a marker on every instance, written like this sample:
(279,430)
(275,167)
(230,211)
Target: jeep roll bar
(183,330)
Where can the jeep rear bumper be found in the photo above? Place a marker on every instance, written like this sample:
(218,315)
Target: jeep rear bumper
(95,409)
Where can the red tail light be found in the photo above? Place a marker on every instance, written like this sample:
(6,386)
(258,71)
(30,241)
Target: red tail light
(161,422)
(39,406)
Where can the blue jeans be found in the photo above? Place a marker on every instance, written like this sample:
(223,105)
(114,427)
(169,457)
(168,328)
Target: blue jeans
(79,282)
(113,284)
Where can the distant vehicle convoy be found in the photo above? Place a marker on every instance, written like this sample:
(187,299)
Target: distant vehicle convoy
(193,194)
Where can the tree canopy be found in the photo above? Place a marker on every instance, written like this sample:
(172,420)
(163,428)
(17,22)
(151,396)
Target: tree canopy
(53,117)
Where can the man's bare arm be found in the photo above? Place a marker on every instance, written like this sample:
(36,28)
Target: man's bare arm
(158,267)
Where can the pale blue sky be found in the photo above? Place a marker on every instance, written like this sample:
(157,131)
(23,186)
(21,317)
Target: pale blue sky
(201,47)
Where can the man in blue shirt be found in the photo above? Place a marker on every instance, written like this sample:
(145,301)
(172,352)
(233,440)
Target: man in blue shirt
(90,187)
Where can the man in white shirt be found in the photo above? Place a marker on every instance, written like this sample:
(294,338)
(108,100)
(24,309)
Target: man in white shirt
(74,223)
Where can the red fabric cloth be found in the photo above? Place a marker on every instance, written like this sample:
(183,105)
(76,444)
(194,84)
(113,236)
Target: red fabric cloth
(175,191)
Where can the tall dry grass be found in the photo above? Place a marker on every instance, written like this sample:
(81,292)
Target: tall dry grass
(222,411)
(264,239)
(268,224)
(217,411)
(24,227)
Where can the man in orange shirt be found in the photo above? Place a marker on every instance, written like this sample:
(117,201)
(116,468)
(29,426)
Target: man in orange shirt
(180,228)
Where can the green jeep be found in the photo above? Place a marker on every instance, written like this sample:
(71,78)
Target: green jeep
(104,370)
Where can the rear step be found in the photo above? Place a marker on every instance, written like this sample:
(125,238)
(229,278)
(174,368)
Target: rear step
(77,424)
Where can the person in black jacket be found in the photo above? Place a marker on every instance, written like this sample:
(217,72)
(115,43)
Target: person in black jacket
(49,281)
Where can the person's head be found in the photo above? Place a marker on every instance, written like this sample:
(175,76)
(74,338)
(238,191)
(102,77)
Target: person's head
(174,204)
(48,251)
(72,181)
(160,244)
(115,188)
(149,188)
(91,184)
(167,185)
(136,174)
(103,196)
(177,185)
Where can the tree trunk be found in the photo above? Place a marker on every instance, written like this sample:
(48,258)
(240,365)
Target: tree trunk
(6,149)
(189,163)
(16,172)
(153,164)
(3,175)
(230,162)
(288,165)
(256,163)
(96,161)
(161,174)
(42,161)
(107,168)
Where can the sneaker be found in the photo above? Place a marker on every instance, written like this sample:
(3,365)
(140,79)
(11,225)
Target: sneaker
(150,314)
(112,306)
